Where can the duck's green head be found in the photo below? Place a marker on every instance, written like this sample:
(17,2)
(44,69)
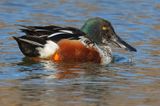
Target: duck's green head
(102,32)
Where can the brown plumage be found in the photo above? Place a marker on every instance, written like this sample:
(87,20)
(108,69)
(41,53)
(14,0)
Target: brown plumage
(74,50)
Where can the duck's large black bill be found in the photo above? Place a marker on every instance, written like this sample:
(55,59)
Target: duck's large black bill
(122,44)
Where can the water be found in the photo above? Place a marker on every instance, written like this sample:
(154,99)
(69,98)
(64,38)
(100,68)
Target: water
(122,83)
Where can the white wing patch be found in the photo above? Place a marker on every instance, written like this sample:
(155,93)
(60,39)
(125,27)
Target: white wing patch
(67,31)
(48,50)
(61,32)
(54,34)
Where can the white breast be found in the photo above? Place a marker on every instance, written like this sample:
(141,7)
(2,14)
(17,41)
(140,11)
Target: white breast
(105,54)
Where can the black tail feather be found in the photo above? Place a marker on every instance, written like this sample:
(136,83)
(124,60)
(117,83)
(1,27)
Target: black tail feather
(26,48)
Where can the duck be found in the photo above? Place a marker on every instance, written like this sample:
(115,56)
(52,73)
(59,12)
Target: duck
(91,43)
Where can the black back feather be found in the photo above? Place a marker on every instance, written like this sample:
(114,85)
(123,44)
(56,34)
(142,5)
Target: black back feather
(46,31)
(39,30)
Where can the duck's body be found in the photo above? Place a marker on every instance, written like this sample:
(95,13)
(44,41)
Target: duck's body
(90,44)
(73,50)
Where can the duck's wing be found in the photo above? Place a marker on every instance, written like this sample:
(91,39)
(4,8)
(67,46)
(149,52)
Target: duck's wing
(39,30)
(52,32)
(55,33)
(41,41)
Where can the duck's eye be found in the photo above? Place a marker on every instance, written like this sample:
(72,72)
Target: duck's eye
(105,28)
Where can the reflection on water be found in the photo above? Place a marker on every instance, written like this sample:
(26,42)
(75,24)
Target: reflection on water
(122,83)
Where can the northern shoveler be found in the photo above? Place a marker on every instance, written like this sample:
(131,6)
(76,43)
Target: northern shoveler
(89,44)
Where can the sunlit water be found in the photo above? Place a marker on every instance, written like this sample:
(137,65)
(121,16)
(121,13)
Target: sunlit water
(122,83)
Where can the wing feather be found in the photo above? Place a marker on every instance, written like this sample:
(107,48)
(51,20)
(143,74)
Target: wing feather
(55,34)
